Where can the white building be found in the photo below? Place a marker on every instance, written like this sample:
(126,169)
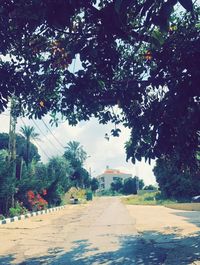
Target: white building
(109,176)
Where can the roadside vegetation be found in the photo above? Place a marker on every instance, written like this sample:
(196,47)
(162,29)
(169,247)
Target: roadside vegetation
(147,198)
(155,198)
(30,185)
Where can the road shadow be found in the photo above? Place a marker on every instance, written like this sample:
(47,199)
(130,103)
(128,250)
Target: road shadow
(148,248)
(5,260)
(192,217)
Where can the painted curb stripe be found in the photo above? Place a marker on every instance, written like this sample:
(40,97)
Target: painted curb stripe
(28,215)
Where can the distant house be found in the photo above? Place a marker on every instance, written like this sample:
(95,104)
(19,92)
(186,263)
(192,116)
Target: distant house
(109,176)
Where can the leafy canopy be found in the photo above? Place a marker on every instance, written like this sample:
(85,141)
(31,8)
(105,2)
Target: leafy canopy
(138,55)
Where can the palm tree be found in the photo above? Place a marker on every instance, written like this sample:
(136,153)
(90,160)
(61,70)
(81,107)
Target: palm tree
(76,156)
(29,133)
(76,151)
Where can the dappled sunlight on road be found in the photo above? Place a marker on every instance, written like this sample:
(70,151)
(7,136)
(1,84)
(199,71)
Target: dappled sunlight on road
(103,232)
(149,248)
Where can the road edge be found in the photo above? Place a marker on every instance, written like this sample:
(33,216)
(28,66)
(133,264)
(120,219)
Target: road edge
(28,215)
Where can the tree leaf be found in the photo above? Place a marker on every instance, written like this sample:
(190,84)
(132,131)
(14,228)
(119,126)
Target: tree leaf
(158,36)
(187,4)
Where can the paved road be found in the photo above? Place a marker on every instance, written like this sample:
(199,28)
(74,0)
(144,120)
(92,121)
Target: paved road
(102,232)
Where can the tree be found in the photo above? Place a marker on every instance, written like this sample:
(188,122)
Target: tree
(175,182)
(75,152)
(7,183)
(141,184)
(146,61)
(76,156)
(58,171)
(94,184)
(117,185)
(29,133)
(20,147)
(21,152)
(150,187)
(31,181)
(130,186)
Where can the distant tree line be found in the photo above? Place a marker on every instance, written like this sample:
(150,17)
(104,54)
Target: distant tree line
(129,185)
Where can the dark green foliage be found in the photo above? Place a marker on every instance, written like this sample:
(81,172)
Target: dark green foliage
(20,147)
(130,186)
(58,172)
(169,118)
(7,183)
(29,134)
(117,185)
(4,138)
(150,187)
(175,181)
(21,151)
(141,184)
(76,156)
(94,184)
(158,95)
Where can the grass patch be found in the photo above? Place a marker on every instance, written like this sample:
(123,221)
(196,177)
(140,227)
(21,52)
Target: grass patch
(185,206)
(147,198)
(154,198)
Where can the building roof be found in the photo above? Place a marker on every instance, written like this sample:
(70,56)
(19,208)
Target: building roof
(113,171)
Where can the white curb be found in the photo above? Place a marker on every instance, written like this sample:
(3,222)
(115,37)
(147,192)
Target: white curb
(28,215)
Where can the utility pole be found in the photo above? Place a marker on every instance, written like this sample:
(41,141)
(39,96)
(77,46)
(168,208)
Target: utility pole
(12,131)
(12,146)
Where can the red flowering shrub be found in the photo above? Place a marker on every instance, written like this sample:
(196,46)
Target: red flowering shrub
(30,195)
(35,200)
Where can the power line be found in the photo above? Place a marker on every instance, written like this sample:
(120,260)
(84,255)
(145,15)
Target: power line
(44,152)
(46,137)
(52,134)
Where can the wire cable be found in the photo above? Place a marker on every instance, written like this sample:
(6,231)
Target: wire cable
(46,137)
(53,134)
(44,152)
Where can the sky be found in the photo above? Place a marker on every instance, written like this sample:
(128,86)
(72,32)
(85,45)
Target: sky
(91,135)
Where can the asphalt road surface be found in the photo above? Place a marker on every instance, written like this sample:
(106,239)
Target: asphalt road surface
(101,232)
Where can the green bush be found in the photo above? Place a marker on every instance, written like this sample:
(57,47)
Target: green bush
(2,217)
(14,212)
(17,210)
